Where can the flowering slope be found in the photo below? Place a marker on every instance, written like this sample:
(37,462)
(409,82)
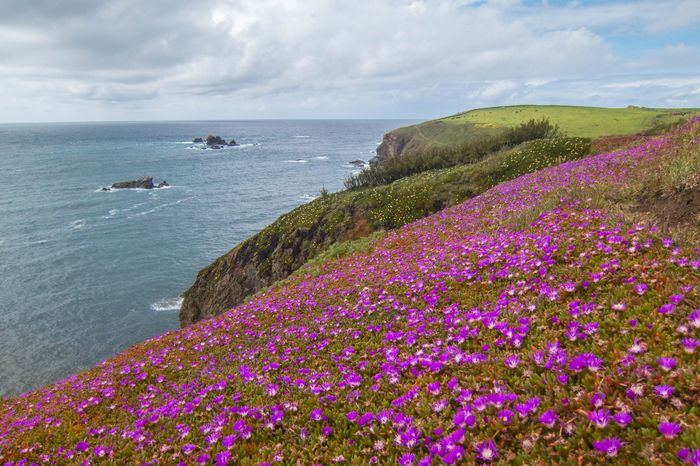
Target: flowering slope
(462,337)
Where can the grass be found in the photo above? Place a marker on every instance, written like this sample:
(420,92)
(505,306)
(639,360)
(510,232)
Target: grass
(591,122)
(588,122)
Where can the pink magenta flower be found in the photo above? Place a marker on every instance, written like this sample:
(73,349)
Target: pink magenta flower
(610,446)
(669,429)
(486,451)
(549,418)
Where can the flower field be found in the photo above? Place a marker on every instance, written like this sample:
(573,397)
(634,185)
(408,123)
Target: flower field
(469,337)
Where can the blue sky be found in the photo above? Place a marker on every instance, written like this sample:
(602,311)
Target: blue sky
(245,59)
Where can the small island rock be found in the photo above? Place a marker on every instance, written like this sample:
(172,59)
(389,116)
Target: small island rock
(145,182)
(198,141)
(232,142)
(215,141)
(358,163)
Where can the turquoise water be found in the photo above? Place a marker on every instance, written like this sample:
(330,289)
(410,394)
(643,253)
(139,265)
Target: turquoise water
(85,274)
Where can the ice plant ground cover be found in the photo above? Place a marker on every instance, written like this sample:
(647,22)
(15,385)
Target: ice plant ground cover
(528,325)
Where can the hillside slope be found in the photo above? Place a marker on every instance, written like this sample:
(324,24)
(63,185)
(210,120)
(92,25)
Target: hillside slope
(296,237)
(590,122)
(547,320)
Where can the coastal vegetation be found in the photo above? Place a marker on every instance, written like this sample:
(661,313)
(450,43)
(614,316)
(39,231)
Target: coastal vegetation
(552,318)
(506,142)
(590,122)
(469,152)
(302,234)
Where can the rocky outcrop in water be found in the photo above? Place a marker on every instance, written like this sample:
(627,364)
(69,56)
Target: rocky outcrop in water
(212,140)
(198,141)
(145,182)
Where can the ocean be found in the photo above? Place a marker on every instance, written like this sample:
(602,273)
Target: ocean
(84,274)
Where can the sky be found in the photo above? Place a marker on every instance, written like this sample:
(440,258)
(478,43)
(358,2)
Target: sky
(104,60)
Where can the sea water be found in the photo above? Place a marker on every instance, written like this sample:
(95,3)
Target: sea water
(85,273)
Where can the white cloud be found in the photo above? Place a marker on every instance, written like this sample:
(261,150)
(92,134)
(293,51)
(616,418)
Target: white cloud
(317,58)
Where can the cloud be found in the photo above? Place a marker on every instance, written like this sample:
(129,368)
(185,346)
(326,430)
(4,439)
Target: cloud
(124,59)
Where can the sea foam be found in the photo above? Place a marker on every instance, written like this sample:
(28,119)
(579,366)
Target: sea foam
(167,304)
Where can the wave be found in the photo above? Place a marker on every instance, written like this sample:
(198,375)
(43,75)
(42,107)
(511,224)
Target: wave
(308,197)
(321,157)
(161,206)
(301,136)
(39,241)
(296,161)
(167,304)
(77,224)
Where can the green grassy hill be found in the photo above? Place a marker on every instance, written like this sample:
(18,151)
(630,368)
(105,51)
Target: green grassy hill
(574,121)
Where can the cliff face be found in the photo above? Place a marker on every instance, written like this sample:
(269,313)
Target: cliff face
(393,145)
(263,259)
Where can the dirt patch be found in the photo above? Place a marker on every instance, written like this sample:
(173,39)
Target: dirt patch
(673,210)
(613,143)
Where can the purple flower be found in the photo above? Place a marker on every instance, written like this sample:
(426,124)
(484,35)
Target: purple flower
(407,459)
(512,361)
(623,418)
(694,318)
(81,446)
(101,451)
(600,417)
(188,448)
(549,418)
(316,414)
(223,458)
(641,288)
(689,345)
(505,416)
(667,364)
(228,441)
(433,388)
(454,455)
(610,446)
(586,360)
(597,400)
(669,429)
(689,457)
(486,451)
(666,309)
(664,391)
(366,418)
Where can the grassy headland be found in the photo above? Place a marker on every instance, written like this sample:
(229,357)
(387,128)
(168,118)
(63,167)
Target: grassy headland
(590,122)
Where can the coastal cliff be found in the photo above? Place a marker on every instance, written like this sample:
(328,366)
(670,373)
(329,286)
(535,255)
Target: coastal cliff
(331,220)
(305,233)
(269,256)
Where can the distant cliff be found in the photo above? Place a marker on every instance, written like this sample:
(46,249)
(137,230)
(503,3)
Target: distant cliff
(410,140)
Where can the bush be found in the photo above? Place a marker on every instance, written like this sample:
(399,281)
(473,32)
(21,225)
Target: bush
(445,157)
